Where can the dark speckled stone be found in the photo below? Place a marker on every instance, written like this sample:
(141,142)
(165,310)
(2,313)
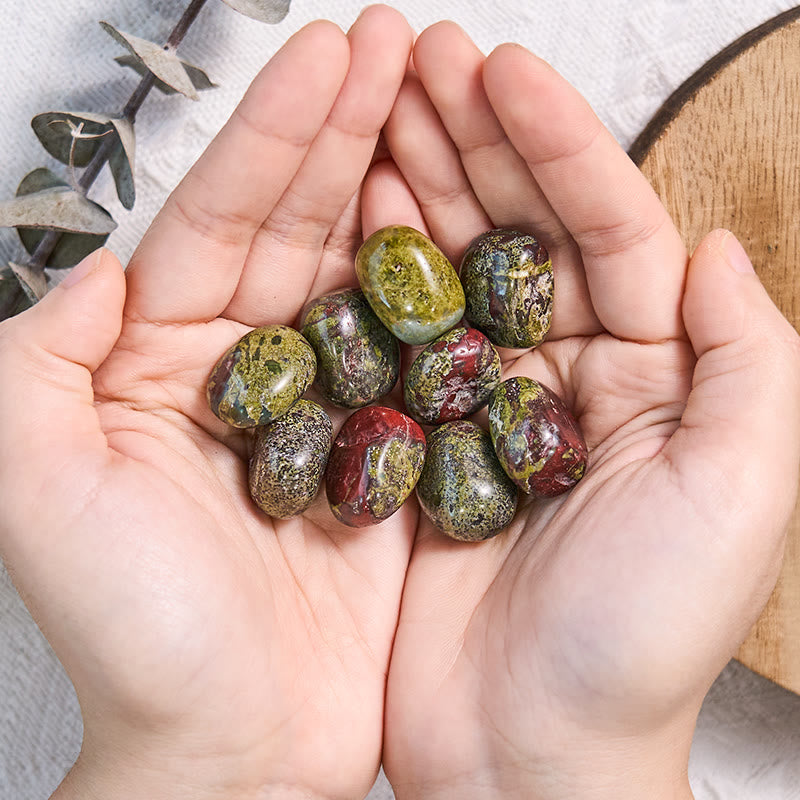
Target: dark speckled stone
(259,378)
(409,283)
(508,283)
(537,440)
(374,465)
(289,460)
(358,359)
(463,488)
(452,377)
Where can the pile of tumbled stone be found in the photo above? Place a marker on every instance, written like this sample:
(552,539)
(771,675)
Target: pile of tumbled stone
(348,346)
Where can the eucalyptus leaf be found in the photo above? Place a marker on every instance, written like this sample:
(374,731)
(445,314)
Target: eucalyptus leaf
(78,135)
(68,134)
(38,179)
(58,208)
(120,162)
(13,299)
(32,281)
(271,11)
(199,79)
(71,247)
(164,64)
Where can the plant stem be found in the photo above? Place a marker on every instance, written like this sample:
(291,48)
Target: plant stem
(49,241)
(184,23)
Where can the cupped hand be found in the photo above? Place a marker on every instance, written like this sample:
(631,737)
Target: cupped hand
(212,649)
(568,656)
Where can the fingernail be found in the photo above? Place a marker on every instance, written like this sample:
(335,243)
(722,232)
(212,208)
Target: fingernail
(82,269)
(736,255)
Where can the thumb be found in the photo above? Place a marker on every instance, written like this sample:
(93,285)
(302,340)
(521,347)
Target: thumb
(738,445)
(79,320)
(48,422)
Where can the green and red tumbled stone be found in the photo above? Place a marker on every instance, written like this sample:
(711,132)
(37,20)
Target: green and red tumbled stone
(508,283)
(452,377)
(374,465)
(289,460)
(257,379)
(358,359)
(538,441)
(463,489)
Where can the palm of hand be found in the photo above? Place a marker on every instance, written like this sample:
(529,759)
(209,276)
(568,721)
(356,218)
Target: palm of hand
(234,618)
(556,623)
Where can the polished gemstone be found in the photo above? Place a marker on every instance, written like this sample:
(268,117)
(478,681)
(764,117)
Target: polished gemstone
(537,440)
(508,283)
(259,378)
(358,359)
(452,377)
(409,283)
(463,489)
(374,465)
(289,460)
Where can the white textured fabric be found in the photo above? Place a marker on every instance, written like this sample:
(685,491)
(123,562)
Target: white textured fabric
(626,56)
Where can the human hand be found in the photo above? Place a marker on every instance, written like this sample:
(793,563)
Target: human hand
(214,651)
(568,657)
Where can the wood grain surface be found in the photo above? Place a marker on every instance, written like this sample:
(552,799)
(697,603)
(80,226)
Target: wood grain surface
(724,151)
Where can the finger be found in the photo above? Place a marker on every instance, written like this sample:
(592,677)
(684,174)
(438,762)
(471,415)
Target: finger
(190,261)
(51,431)
(451,67)
(287,250)
(387,199)
(633,256)
(738,447)
(430,164)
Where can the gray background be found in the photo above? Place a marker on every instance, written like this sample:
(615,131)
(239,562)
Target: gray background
(626,56)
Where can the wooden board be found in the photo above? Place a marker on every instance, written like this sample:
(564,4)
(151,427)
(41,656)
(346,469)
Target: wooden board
(724,151)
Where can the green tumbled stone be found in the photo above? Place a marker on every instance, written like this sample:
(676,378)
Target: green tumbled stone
(358,359)
(508,283)
(258,379)
(462,488)
(409,283)
(289,460)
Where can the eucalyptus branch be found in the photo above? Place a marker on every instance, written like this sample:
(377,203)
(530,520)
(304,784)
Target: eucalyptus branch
(44,249)
(56,221)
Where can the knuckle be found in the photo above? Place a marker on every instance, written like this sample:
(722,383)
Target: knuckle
(220,227)
(579,144)
(268,132)
(621,237)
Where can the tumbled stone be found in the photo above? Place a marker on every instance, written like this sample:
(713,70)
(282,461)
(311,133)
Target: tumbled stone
(374,465)
(409,283)
(289,460)
(462,488)
(508,283)
(358,359)
(258,379)
(537,440)
(452,377)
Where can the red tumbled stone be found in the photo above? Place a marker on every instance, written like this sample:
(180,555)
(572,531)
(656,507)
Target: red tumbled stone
(374,465)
